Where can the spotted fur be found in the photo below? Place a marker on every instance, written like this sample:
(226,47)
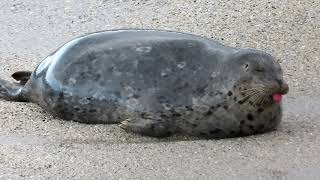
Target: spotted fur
(156,83)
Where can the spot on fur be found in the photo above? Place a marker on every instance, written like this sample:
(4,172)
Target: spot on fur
(250,117)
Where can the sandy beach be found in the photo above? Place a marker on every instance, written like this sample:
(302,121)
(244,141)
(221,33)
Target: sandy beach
(35,145)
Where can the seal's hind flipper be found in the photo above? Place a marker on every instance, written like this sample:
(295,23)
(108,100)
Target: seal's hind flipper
(11,92)
(22,76)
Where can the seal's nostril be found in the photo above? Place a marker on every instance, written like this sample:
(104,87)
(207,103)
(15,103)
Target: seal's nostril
(279,81)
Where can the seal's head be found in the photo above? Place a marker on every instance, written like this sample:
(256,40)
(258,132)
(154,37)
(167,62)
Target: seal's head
(260,77)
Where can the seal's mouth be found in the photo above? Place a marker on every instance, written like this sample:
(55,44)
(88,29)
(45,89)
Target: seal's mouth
(277,98)
(282,89)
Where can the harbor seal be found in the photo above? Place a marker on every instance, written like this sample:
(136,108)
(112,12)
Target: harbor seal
(157,83)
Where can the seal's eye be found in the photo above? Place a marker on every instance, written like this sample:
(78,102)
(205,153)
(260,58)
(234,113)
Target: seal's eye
(259,70)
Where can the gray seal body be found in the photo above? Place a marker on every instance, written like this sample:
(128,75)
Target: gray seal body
(156,83)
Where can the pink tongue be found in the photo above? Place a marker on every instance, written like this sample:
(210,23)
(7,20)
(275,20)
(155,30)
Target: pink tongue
(277,98)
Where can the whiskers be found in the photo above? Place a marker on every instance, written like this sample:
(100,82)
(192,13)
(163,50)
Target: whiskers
(256,95)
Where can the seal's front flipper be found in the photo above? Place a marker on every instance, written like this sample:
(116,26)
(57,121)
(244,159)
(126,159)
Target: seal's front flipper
(148,127)
(11,92)
(22,76)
